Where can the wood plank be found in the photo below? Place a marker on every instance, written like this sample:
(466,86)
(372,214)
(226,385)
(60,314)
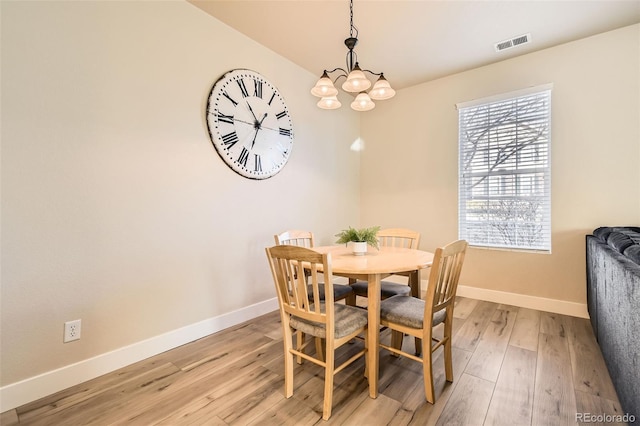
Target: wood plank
(379,411)
(554,400)
(590,373)
(512,400)
(464,307)
(526,329)
(224,386)
(588,404)
(468,403)
(468,336)
(487,358)
(428,414)
(59,401)
(288,412)
(115,400)
(9,418)
(553,324)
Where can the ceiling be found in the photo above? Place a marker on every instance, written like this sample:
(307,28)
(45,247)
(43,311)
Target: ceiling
(419,40)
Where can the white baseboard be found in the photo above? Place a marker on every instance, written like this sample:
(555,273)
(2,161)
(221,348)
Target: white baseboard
(525,301)
(521,300)
(33,388)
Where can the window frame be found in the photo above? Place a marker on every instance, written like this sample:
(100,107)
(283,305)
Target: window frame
(504,205)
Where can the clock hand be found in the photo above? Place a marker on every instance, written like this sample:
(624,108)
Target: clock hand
(252,113)
(253,142)
(242,121)
(257,126)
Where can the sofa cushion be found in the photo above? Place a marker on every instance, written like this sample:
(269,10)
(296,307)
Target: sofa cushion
(602,232)
(633,253)
(619,241)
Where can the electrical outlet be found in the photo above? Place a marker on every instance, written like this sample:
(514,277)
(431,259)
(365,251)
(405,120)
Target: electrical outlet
(72,330)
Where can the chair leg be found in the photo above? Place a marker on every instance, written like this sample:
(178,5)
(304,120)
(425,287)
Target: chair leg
(427,368)
(288,365)
(321,348)
(366,355)
(299,343)
(448,355)
(396,341)
(448,362)
(351,299)
(328,384)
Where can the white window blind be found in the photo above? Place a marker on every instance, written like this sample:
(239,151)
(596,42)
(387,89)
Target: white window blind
(504,171)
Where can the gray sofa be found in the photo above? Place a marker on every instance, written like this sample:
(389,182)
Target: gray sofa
(613,300)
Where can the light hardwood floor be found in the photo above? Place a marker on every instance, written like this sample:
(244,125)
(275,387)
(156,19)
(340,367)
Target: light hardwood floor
(512,366)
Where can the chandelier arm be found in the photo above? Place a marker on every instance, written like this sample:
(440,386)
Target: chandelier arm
(373,73)
(344,73)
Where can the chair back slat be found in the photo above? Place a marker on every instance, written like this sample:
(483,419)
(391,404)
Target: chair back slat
(295,237)
(444,276)
(399,237)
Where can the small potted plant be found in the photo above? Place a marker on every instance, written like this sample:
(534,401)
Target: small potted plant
(360,238)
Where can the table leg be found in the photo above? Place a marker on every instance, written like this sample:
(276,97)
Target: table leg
(373,309)
(414,283)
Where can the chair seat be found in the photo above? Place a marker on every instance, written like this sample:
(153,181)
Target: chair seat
(388,289)
(347,320)
(407,311)
(339,291)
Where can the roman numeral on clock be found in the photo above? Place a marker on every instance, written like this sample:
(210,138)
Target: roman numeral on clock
(271,99)
(223,118)
(226,95)
(258,163)
(285,132)
(244,156)
(243,88)
(257,92)
(230,139)
(281,114)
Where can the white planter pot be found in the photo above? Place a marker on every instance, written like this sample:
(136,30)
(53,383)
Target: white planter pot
(359,249)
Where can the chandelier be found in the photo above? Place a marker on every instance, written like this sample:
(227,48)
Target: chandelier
(356,81)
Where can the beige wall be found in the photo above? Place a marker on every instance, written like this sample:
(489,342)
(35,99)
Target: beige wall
(409,167)
(116,208)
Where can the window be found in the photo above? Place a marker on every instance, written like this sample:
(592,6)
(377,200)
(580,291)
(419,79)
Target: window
(504,171)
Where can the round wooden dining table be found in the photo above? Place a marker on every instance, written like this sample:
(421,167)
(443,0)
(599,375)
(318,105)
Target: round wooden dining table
(372,267)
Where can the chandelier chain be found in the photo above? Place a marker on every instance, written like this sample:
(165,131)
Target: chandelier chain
(351,26)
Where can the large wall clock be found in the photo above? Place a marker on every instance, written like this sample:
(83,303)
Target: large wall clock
(249,124)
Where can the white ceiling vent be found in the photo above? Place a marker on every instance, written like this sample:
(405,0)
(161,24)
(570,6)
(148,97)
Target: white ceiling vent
(513,42)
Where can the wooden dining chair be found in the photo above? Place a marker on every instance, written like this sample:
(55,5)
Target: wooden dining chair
(392,237)
(305,239)
(417,317)
(302,309)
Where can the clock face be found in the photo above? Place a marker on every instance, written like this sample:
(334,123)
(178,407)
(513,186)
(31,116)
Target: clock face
(249,124)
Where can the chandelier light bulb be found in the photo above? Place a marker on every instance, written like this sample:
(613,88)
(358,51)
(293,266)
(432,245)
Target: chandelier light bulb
(363,102)
(324,87)
(382,90)
(329,102)
(356,81)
